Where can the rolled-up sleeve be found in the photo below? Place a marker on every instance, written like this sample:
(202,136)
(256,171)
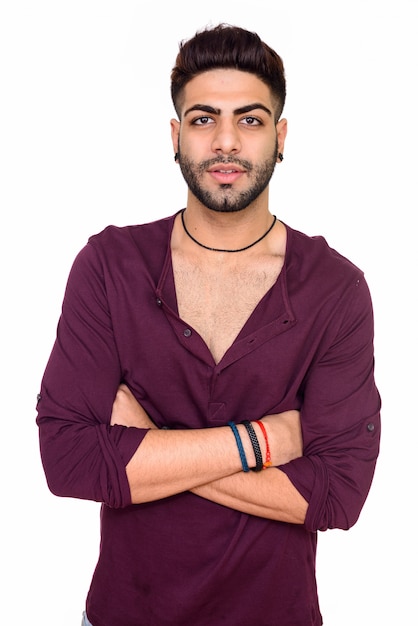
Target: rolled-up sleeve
(83,456)
(340,416)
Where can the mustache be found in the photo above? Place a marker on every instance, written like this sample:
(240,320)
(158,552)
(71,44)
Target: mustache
(225,161)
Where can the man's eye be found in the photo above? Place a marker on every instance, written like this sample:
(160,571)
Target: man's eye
(251,121)
(202,121)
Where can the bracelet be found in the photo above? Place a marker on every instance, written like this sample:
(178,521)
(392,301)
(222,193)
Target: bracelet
(240,447)
(268,462)
(256,446)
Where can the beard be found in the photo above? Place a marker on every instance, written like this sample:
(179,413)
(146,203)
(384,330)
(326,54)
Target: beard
(225,199)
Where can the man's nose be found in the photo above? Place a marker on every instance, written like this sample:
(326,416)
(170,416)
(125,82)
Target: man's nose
(227,139)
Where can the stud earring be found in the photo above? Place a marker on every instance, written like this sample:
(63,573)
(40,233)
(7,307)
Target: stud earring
(280,157)
(176,156)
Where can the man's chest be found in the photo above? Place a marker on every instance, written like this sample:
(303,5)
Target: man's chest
(217,300)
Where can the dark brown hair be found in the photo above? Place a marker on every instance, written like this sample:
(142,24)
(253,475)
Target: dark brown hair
(226,46)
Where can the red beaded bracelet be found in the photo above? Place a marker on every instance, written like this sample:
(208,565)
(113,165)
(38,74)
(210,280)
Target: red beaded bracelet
(268,462)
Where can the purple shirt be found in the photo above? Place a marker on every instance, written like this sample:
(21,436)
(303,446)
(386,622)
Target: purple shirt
(183,560)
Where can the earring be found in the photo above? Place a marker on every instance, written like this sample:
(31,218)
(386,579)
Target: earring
(176,156)
(280,157)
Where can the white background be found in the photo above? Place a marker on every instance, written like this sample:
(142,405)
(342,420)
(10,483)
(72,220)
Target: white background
(85,142)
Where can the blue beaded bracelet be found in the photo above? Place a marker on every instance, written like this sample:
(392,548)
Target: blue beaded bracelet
(240,447)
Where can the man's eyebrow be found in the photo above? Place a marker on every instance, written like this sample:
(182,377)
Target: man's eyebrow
(245,109)
(252,107)
(202,107)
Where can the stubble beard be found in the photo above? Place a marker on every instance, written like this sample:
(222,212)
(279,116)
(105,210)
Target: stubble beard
(226,199)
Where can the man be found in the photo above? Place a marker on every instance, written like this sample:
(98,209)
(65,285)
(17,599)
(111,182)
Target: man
(194,355)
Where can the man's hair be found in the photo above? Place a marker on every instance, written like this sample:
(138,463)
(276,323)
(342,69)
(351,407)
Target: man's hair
(228,47)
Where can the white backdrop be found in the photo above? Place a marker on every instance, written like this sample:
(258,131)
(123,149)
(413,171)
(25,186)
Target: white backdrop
(85,142)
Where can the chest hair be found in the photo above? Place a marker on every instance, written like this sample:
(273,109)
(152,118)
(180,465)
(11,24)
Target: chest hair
(217,298)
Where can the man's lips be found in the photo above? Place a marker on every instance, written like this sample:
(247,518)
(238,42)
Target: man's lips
(225,173)
(225,168)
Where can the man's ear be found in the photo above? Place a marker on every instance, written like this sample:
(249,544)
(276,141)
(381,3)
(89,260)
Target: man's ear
(175,133)
(281,129)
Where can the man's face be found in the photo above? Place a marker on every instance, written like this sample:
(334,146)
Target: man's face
(227,139)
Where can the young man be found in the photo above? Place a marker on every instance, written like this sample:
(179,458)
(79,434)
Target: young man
(198,348)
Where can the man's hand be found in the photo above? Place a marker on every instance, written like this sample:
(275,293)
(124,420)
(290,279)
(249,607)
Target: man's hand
(127,411)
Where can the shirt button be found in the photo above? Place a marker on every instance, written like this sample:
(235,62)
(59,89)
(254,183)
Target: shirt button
(159,302)
(370,427)
(187,332)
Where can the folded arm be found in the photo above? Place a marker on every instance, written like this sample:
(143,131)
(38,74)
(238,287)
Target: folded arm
(207,462)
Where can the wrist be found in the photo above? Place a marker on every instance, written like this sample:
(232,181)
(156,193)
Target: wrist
(255,445)
(265,440)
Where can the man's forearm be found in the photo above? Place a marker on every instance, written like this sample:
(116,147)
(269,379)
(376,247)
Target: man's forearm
(268,494)
(172,461)
(175,461)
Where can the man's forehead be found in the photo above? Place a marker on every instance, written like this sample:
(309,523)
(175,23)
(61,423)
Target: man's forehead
(226,90)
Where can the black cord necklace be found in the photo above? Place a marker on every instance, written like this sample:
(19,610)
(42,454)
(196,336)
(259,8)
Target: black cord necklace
(220,249)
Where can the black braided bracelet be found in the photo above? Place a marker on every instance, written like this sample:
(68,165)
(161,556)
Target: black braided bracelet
(256,446)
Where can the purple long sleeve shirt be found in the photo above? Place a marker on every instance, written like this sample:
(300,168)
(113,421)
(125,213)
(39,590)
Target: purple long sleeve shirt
(183,560)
